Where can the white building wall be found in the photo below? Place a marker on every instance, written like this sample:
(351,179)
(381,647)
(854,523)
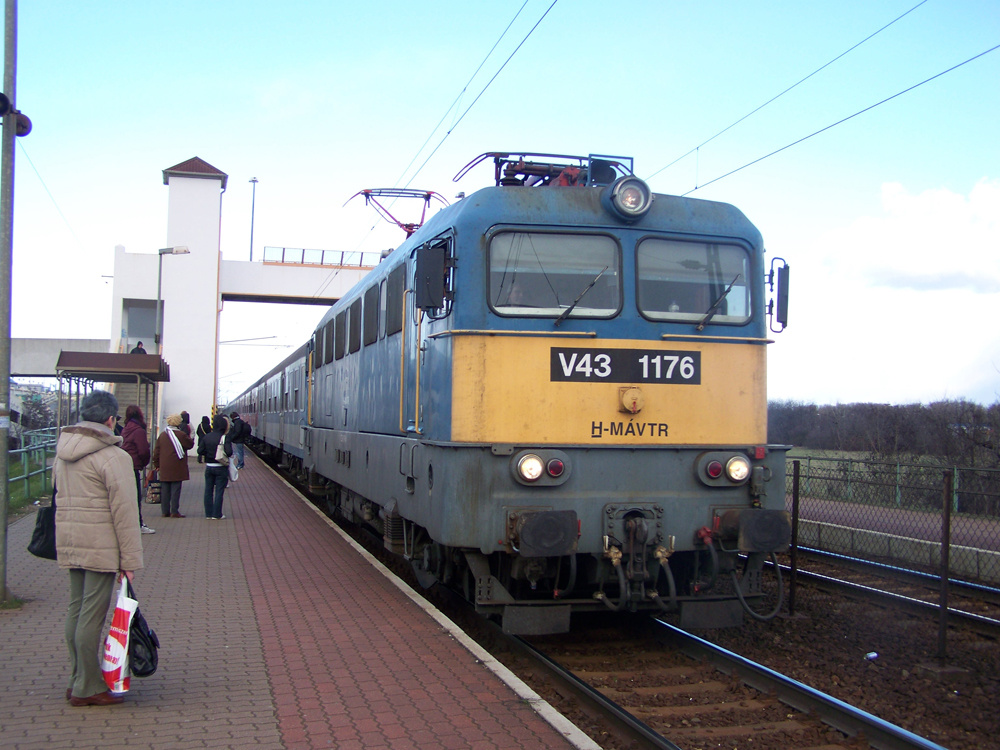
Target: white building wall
(192,289)
(191,293)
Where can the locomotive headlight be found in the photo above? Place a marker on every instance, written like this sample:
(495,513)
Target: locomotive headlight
(738,468)
(629,197)
(530,467)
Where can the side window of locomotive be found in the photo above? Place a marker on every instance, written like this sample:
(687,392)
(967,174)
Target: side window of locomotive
(680,281)
(328,342)
(542,274)
(381,308)
(341,335)
(318,348)
(371,315)
(394,300)
(355,329)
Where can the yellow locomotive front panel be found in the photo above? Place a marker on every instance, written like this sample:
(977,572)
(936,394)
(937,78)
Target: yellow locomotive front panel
(538,390)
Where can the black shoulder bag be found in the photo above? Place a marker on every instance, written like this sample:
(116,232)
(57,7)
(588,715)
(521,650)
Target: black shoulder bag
(43,538)
(142,642)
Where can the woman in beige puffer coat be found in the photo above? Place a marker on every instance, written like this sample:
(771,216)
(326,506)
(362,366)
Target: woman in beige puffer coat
(97,536)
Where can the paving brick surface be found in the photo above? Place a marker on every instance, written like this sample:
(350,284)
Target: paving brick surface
(274,632)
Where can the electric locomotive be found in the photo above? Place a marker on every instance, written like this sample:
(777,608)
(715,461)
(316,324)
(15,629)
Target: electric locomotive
(552,397)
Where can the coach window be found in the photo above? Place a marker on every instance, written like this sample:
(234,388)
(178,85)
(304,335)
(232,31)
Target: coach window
(328,342)
(542,274)
(394,300)
(371,315)
(341,337)
(681,281)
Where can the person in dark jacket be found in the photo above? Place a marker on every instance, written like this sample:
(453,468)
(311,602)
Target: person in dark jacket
(186,426)
(136,444)
(203,429)
(170,462)
(216,474)
(97,537)
(240,431)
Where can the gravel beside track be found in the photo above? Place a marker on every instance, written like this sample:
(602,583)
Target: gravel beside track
(826,646)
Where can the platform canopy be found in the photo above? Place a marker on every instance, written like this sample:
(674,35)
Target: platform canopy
(113,368)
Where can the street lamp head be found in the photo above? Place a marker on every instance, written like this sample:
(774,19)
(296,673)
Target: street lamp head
(179,250)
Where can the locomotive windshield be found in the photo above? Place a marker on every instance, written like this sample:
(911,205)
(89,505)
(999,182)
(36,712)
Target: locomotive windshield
(542,274)
(688,281)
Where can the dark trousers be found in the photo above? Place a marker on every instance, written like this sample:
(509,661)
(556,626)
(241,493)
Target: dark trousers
(138,494)
(89,597)
(216,479)
(170,497)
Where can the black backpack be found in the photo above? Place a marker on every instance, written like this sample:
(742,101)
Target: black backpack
(142,643)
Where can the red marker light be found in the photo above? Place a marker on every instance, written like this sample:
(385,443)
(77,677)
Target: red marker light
(555,467)
(714,469)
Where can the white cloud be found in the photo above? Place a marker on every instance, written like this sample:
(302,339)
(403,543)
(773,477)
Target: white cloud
(900,305)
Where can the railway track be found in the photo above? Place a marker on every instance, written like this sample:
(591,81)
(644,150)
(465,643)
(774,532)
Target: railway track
(663,688)
(630,695)
(969,606)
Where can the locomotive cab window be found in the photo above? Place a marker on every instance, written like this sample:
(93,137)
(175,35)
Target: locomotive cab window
(543,274)
(682,281)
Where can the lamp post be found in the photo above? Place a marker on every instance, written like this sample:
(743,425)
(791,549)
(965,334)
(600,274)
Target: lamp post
(253,201)
(180,250)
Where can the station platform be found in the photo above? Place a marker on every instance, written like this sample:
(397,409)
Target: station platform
(276,631)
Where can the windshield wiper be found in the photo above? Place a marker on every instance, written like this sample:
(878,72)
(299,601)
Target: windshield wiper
(710,313)
(563,315)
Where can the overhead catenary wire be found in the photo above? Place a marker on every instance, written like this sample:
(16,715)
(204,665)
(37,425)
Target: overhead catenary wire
(778,96)
(843,120)
(462,116)
(483,91)
(461,93)
(48,192)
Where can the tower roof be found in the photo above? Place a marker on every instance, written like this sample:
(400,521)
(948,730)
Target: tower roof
(195,167)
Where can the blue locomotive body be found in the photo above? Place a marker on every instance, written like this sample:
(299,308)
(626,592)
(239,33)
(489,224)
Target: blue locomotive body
(552,397)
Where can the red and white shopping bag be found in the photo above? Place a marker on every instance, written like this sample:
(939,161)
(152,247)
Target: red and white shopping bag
(115,662)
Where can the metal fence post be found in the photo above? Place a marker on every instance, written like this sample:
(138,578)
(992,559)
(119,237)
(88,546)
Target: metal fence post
(795,538)
(954,491)
(949,477)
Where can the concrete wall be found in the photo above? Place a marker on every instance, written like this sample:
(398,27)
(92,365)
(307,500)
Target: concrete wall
(37,357)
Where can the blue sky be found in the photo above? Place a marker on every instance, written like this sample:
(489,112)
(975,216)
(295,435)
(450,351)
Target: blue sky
(890,221)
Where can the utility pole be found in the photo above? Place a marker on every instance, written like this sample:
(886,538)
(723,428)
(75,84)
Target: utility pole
(253,202)
(6,254)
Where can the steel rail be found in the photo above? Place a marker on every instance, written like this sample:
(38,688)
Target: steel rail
(843,717)
(905,575)
(984,625)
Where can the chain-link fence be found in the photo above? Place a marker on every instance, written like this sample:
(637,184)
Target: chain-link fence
(894,512)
